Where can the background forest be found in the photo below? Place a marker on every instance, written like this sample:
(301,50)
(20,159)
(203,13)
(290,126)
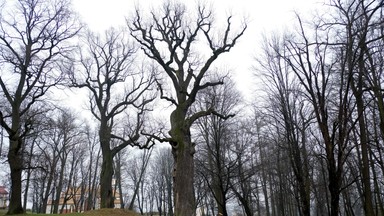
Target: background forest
(309,141)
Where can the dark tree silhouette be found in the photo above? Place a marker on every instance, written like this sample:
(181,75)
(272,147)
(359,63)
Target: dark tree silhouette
(34,37)
(116,88)
(169,38)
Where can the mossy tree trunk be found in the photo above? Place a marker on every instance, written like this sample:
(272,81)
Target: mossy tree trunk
(183,152)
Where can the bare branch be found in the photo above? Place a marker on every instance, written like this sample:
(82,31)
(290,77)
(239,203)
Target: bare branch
(162,96)
(158,138)
(210,111)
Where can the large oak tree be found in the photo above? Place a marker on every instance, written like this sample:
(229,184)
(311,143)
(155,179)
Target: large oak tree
(176,40)
(116,89)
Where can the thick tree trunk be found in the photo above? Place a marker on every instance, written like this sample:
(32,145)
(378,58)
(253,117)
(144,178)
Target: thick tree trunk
(221,203)
(183,177)
(334,166)
(15,160)
(106,193)
(15,164)
(106,175)
(334,187)
(184,195)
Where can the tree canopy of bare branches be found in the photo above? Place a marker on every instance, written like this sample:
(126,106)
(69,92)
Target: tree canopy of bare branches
(34,46)
(170,37)
(117,88)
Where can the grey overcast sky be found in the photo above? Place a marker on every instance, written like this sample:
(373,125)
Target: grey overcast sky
(263,16)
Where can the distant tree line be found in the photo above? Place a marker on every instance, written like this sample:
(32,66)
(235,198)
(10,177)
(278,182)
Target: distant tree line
(310,143)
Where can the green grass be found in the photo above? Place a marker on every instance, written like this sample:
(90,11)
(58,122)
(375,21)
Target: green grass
(99,212)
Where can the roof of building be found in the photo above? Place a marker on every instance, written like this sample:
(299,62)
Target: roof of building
(3,190)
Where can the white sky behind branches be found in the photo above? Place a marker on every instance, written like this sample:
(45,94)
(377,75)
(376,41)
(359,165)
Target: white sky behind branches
(262,17)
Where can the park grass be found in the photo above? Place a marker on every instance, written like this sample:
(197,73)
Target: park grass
(102,212)
(99,212)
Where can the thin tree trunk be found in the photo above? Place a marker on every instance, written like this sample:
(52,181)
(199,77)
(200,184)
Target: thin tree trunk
(59,185)
(49,184)
(27,183)
(169,195)
(29,172)
(120,189)
(357,89)
(144,164)
(379,201)
(92,180)
(89,201)
(264,182)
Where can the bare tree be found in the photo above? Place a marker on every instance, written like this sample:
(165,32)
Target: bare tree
(363,22)
(137,172)
(246,164)
(289,109)
(31,142)
(215,161)
(119,163)
(34,39)
(161,172)
(58,134)
(169,38)
(315,62)
(93,167)
(116,88)
(67,136)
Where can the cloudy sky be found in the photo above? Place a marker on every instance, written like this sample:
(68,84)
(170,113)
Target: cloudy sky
(263,17)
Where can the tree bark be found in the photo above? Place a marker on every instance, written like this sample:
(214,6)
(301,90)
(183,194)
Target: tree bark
(59,187)
(15,165)
(106,195)
(187,81)
(184,196)
(357,89)
(118,181)
(183,172)
(29,172)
